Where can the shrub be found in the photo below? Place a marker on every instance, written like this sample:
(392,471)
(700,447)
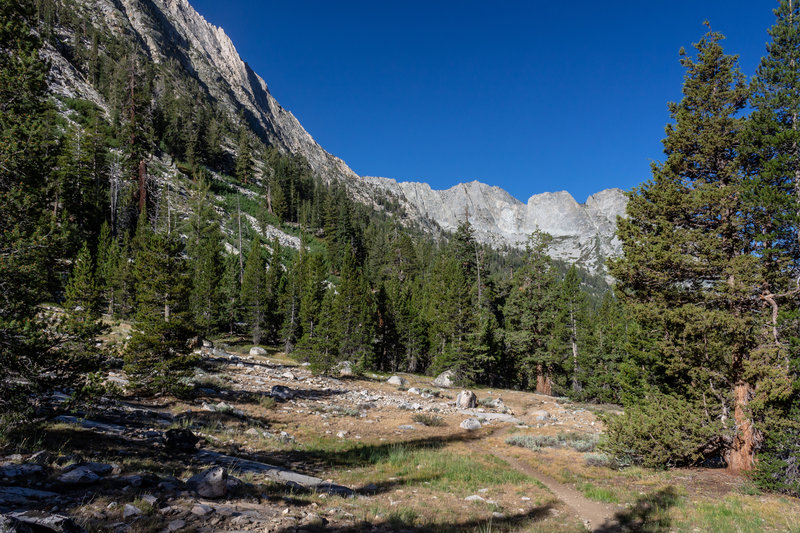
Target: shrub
(267,402)
(428,420)
(662,431)
(597,459)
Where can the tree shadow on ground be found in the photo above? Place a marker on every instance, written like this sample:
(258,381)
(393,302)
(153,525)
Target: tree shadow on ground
(370,454)
(650,514)
(396,522)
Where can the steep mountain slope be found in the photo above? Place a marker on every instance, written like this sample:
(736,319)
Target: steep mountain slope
(172,32)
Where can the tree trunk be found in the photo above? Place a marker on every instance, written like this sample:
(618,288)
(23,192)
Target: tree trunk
(741,456)
(543,383)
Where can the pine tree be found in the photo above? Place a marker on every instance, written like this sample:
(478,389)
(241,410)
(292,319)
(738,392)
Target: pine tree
(355,313)
(231,293)
(158,355)
(27,251)
(530,313)
(254,293)
(205,248)
(80,326)
(273,285)
(689,274)
(244,155)
(771,154)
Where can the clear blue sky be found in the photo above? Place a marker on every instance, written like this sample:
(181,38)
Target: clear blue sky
(531,96)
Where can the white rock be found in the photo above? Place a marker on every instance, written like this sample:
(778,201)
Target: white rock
(397,380)
(466,400)
(211,483)
(471,424)
(257,350)
(446,379)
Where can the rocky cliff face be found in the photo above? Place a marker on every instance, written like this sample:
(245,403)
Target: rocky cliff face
(583,233)
(172,31)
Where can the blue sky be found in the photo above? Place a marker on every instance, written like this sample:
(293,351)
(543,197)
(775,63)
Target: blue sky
(531,96)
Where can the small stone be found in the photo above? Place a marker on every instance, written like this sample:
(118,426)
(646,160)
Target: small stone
(407,427)
(539,415)
(341,434)
(150,499)
(397,380)
(41,458)
(201,509)
(281,393)
(288,376)
(130,510)
(474,498)
(175,525)
(414,390)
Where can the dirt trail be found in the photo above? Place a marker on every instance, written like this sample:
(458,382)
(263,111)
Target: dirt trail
(596,516)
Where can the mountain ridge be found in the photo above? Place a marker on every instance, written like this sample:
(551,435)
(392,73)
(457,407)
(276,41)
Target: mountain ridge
(172,30)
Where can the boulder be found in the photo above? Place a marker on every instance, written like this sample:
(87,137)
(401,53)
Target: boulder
(397,380)
(14,471)
(207,343)
(130,511)
(466,400)
(101,469)
(446,379)
(40,521)
(182,440)
(345,368)
(471,424)
(82,475)
(257,350)
(281,393)
(42,458)
(212,483)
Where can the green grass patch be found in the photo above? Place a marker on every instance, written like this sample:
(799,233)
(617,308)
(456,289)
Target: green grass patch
(598,494)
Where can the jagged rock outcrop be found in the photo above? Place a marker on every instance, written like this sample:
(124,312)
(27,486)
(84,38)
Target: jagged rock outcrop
(583,233)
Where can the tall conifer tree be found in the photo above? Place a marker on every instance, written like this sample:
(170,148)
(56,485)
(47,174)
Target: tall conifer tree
(689,274)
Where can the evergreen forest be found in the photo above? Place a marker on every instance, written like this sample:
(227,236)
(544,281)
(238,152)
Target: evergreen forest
(167,212)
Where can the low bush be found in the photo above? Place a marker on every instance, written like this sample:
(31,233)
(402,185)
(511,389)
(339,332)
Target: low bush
(428,420)
(662,431)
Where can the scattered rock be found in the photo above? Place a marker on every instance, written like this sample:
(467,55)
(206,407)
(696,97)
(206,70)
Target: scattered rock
(288,376)
(466,400)
(101,469)
(212,483)
(202,509)
(474,498)
(446,379)
(42,458)
(82,475)
(407,427)
(182,440)
(175,525)
(12,496)
(397,380)
(345,368)
(130,510)
(414,390)
(341,434)
(471,424)
(207,343)
(40,521)
(15,471)
(539,415)
(257,350)
(281,393)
